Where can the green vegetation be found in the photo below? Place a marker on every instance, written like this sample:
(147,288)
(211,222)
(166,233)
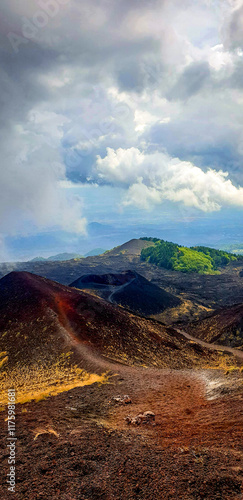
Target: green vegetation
(191,261)
(219,258)
(161,254)
(201,260)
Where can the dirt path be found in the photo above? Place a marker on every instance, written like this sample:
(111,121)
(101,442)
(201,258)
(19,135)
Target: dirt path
(216,347)
(118,289)
(77,445)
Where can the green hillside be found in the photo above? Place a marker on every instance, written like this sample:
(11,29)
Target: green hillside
(201,260)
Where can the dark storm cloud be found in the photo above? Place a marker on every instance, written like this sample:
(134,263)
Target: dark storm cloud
(191,81)
(20,85)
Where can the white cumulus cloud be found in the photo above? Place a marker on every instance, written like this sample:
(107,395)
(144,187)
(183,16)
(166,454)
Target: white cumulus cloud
(153,178)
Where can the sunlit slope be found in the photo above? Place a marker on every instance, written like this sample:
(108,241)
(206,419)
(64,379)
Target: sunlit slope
(199,259)
(52,335)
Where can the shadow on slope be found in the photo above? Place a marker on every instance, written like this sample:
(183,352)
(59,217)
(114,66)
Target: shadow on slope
(130,290)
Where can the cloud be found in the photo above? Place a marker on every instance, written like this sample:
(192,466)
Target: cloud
(191,81)
(31,170)
(151,179)
(232,28)
(150,80)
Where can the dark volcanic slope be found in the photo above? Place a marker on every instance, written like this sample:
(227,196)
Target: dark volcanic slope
(77,444)
(224,327)
(104,280)
(40,319)
(130,290)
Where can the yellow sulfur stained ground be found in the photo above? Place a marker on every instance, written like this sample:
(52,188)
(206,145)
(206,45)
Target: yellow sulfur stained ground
(39,382)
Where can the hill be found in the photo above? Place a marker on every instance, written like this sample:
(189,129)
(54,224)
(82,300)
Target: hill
(59,257)
(201,260)
(95,251)
(38,259)
(223,327)
(130,290)
(52,336)
(132,247)
(200,293)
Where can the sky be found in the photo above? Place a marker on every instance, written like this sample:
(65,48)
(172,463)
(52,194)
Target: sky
(121,112)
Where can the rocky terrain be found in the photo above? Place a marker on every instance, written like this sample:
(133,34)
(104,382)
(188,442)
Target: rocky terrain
(77,445)
(224,326)
(48,327)
(117,405)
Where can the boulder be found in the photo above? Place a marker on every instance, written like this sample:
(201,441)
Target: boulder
(148,417)
(123,400)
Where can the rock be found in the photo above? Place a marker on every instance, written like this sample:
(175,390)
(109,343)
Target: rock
(127,400)
(136,420)
(147,417)
(124,400)
(117,399)
(133,420)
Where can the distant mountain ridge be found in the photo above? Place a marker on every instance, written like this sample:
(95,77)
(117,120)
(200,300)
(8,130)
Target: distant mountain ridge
(59,257)
(95,251)
(62,257)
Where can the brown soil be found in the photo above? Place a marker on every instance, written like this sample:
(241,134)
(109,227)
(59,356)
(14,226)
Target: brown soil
(77,445)
(193,452)
(132,247)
